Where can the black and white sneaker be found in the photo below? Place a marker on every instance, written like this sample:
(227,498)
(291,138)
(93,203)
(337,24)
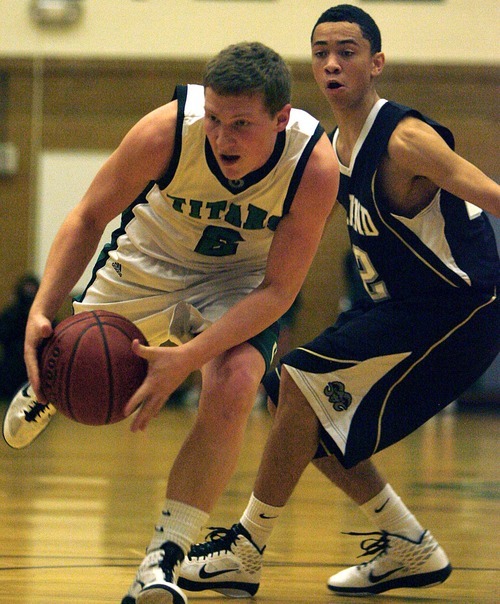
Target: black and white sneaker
(399,562)
(155,581)
(229,562)
(25,418)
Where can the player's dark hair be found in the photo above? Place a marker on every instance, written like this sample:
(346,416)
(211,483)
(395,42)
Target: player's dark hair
(248,68)
(353,14)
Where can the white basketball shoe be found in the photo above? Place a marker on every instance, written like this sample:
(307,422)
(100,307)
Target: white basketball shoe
(399,562)
(229,563)
(25,418)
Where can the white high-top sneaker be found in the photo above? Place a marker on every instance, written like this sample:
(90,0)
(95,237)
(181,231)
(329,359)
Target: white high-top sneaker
(25,418)
(229,563)
(156,578)
(399,562)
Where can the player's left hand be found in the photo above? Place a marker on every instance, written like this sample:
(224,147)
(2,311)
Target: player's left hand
(167,370)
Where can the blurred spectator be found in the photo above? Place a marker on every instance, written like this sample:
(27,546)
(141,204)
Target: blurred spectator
(12,327)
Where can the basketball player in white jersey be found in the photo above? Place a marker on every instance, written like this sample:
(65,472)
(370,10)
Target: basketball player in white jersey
(427,330)
(224,194)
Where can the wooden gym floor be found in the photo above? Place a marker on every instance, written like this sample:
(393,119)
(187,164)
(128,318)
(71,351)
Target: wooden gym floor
(79,505)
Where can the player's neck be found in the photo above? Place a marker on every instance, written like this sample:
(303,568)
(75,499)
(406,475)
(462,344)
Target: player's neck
(350,121)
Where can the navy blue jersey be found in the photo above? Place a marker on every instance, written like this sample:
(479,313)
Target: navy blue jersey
(432,326)
(449,245)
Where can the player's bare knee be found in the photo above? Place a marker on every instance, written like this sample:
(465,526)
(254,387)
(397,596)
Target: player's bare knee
(241,385)
(230,400)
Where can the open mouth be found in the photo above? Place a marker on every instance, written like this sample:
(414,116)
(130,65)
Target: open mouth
(229,160)
(333,85)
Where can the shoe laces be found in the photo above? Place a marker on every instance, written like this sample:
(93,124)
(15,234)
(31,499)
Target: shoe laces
(376,545)
(218,540)
(36,410)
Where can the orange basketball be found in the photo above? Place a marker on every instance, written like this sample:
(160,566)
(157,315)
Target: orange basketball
(87,368)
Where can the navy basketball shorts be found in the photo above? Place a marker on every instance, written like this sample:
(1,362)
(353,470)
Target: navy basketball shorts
(381,371)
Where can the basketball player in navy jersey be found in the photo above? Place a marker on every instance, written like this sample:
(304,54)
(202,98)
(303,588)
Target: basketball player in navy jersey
(428,328)
(224,194)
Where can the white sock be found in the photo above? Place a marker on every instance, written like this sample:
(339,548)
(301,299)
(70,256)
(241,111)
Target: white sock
(179,523)
(259,519)
(390,514)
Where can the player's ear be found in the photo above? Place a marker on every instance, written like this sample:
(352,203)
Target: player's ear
(378,62)
(282,117)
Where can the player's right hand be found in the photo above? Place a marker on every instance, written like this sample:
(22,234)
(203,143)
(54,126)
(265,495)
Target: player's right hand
(38,328)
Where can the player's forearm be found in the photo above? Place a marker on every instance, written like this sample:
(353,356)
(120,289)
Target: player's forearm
(243,321)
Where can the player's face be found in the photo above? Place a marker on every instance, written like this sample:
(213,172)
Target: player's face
(343,64)
(241,131)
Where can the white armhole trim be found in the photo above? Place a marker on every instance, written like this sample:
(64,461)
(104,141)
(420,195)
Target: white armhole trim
(472,210)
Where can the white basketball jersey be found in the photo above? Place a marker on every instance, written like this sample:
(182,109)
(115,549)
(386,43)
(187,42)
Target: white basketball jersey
(196,218)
